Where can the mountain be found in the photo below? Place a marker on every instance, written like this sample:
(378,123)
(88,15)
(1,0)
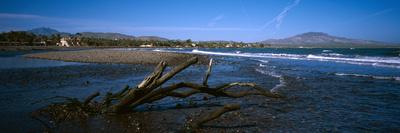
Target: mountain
(44,31)
(320,39)
(156,38)
(106,35)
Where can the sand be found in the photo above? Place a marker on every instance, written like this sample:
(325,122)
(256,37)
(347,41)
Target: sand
(118,56)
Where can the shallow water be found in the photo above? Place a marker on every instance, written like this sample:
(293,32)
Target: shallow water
(324,95)
(354,90)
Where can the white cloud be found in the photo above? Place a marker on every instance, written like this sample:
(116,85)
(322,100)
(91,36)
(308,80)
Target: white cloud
(278,20)
(214,21)
(20,16)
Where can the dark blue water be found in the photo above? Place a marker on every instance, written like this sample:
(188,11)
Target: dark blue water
(352,90)
(328,90)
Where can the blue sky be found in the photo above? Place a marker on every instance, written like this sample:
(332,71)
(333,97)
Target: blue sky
(238,20)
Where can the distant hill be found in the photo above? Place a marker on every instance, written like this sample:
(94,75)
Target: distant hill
(47,31)
(105,35)
(319,39)
(151,38)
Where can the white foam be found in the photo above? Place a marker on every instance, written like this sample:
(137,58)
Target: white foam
(362,59)
(282,82)
(272,74)
(393,62)
(257,55)
(368,76)
(158,50)
(332,54)
(326,51)
(263,61)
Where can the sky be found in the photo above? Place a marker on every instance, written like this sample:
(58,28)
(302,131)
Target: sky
(201,20)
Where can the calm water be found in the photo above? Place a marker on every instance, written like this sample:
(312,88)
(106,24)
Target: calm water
(351,90)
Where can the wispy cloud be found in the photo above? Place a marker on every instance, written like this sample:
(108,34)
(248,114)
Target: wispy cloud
(367,16)
(79,25)
(215,20)
(278,20)
(20,16)
(381,12)
(166,29)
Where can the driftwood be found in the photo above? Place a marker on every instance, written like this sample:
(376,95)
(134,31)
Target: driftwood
(150,90)
(215,114)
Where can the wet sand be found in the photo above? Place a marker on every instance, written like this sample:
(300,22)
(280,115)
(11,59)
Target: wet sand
(117,56)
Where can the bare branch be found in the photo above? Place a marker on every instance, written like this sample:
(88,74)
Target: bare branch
(220,91)
(136,96)
(205,81)
(90,98)
(153,76)
(174,71)
(216,114)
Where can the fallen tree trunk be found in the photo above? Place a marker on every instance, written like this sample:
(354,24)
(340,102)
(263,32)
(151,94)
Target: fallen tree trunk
(150,90)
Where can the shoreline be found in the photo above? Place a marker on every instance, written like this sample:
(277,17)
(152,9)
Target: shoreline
(118,56)
(58,48)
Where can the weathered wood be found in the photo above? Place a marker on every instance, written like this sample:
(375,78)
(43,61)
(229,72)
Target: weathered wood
(175,71)
(219,92)
(137,94)
(153,76)
(214,115)
(149,91)
(122,92)
(205,81)
(90,98)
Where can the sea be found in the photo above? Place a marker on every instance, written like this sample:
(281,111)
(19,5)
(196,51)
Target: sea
(329,89)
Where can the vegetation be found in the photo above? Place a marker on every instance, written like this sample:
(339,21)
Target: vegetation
(22,38)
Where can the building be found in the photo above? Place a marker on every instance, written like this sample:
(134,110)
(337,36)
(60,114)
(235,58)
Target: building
(63,42)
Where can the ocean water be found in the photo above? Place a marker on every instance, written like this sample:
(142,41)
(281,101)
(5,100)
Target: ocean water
(354,90)
(328,90)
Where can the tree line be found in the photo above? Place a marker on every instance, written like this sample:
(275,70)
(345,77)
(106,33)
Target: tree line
(22,38)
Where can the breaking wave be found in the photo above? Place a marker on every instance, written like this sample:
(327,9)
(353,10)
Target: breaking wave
(282,81)
(368,76)
(393,62)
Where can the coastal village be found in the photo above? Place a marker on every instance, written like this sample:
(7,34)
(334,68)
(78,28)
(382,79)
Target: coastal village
(76,41)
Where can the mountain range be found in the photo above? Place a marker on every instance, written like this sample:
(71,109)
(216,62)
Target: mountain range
(104,35)
(320,39)
(309,39)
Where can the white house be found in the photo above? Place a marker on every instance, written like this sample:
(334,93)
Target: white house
(63,42)
(146,46)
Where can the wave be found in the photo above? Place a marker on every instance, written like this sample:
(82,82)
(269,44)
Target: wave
(368,76)
(263,61)
(258,55)
(333,54)
(158,50)
(393,62)
(360,59)
(282,80)
(326,51)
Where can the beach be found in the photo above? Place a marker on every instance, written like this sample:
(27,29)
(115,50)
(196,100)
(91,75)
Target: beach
(118,56)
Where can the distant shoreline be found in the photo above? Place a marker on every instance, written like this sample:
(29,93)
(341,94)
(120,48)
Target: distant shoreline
(58,48)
